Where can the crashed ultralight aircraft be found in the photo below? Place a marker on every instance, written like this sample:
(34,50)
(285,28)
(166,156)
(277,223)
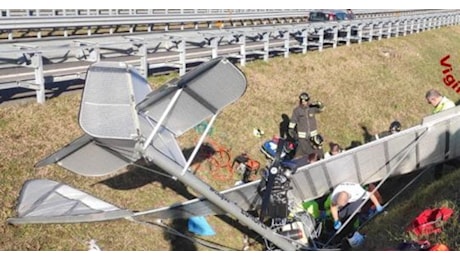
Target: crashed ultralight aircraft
(129,122)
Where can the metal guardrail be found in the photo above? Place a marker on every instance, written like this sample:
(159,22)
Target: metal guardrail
(133,12)
(64,23)
(115,12)
(41,62)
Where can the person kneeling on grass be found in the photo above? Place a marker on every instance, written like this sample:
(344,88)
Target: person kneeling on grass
(346,198)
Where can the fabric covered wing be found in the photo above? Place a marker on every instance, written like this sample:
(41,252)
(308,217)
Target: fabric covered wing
(88,157)
(205,91)
(47,201)
(111,92)
(393,155)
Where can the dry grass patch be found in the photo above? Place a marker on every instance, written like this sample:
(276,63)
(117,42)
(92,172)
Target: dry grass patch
(369,84)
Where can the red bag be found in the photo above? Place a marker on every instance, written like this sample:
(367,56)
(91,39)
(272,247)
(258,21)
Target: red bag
(428,222)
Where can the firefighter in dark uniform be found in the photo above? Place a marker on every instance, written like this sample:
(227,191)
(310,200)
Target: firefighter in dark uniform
(303,127)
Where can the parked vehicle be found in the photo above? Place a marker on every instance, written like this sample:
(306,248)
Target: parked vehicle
(330,15)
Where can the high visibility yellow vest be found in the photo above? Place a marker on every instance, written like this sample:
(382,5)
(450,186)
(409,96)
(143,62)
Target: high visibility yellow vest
(444,104)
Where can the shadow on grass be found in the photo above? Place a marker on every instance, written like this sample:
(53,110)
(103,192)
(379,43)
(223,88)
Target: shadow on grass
(52,90)
(137,177)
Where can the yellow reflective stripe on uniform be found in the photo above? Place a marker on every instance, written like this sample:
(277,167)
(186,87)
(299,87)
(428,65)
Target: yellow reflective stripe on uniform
(302,134)
(292,125)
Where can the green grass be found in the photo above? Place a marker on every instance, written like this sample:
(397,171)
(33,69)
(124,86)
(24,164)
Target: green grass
(370,84)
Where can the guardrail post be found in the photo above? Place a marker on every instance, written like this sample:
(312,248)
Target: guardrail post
(37,63)
(405,28)
(305,41)
(371,32)
(397,29)
(266,41)
(389,30)
(348,35)
(335,32)
(321,39)
(32,58)
(242,41)
(140,46)
(87,51)
(360,34)
(380,26)
(285,35)
(182,58)
(214,46)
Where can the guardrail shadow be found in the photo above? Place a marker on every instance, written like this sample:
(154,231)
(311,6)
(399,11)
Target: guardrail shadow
(52,90)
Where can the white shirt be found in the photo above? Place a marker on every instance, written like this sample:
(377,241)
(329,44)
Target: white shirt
(355,190)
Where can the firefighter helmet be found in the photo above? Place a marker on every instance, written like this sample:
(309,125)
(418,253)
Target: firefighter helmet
(395,126)
(304,96)
(317,140)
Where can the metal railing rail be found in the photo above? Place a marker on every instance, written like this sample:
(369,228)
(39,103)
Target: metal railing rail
(133,12)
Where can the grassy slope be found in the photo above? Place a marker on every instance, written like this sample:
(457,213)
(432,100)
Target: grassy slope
(369,84)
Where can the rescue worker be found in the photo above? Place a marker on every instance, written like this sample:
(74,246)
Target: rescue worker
(303,126)
(395,127)
(346,199)
(438,101)
(334,149)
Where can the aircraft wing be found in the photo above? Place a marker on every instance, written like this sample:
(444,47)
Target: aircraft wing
(109,119)
(47,201)
(203,92)
(365,164)
(111,92)
(122,117)
(431,142)
(85,154)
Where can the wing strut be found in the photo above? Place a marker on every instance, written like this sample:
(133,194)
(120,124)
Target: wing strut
(163,117)
(200,142)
